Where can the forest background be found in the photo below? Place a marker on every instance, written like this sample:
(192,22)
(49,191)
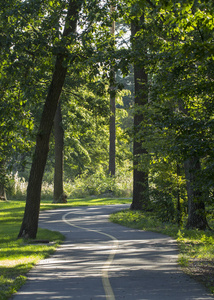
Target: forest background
(157,64)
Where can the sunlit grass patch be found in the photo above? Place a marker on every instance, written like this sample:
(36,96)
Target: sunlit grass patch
(8,285)
(18,256)
(89,201)
(144,221)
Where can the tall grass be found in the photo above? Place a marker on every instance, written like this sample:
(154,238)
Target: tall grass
(85,185)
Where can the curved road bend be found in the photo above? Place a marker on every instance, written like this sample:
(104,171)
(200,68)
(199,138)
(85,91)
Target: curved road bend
(101,260)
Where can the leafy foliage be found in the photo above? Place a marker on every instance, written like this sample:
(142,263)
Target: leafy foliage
(174,45)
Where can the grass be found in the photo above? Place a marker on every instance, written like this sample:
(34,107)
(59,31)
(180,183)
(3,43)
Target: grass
(18,256)
(89,201)
(196,247)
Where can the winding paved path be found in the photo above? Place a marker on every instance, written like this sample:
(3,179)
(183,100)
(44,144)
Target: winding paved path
(101,260)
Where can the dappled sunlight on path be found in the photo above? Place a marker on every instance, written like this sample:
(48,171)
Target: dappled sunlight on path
(143,264)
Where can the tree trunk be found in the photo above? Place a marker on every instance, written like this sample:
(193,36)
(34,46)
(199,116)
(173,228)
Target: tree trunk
(140,180)
(2,181)
(178,215)
(112,137)
(196,207)
(59,196)
(2,193)
(30,220)
(112,128)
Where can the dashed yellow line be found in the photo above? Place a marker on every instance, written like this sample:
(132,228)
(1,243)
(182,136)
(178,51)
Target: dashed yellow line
(105,278)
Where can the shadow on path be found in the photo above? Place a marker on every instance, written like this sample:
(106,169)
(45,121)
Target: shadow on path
(144,266)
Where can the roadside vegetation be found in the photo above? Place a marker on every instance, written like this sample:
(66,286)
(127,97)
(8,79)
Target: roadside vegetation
(18,256)
(196,247)
(82,186)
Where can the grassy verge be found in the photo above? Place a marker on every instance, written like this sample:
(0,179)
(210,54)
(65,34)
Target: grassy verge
(47,204)
(17,257)
(196,247)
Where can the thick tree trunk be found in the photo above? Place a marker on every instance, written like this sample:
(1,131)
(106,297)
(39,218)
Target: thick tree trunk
(30,221)
(196,207)
(140,179)
(59,196)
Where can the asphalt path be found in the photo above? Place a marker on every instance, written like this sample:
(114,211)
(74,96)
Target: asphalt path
(102,260)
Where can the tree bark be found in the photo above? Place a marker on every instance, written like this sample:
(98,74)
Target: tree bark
(30,220)
(2,193)
(112,127)
(140,177)
(196,207)
(2,181)
(112,136)
(59,196)
(178,215)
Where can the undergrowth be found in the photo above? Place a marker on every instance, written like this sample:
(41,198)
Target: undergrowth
(82,186)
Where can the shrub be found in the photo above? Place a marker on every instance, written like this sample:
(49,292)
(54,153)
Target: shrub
(100,183)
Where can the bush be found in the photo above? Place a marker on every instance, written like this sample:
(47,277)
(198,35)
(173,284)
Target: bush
(100,183)
(163,205)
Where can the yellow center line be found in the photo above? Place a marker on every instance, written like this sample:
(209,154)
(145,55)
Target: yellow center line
(105,278)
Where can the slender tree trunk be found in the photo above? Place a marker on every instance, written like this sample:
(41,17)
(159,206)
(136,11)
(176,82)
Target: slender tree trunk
(112,137)
(140,179)
(112,128)
(59,196)
(178,216)
(2,193)
(2,181)
(196,207)
(30,220)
